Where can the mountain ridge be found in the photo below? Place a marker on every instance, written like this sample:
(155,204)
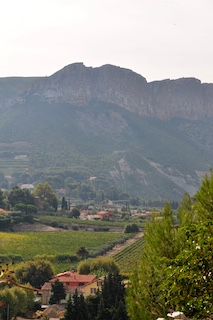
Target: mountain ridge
(148,139)
(76,84)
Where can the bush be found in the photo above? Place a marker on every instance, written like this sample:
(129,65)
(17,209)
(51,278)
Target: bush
(103,264)
(133,228)
(75,227)
(66,257)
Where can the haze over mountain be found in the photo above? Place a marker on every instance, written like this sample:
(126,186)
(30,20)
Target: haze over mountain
(152,140)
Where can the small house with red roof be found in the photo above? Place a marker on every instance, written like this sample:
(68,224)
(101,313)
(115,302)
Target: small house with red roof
(71,280)
(105,215)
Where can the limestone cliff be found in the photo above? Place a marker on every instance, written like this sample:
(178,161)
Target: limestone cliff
(76,84)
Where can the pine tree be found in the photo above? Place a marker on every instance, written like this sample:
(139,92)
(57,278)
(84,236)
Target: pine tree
(76,308)
(176,262)
(103,311)
(58,292)
(144,294)
(112,293)
(93,302)
(70,309)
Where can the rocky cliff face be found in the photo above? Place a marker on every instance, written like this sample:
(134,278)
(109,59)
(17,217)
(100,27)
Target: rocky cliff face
(109,123)
(76,84)
(183,98)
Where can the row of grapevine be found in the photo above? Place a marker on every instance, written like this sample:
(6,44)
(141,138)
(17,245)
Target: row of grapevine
(128,258)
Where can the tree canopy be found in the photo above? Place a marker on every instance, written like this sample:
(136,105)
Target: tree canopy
(46,197)
(58,292)
(35,272)
(176,266)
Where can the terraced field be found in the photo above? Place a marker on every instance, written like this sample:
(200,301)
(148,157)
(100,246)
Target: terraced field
(12,165)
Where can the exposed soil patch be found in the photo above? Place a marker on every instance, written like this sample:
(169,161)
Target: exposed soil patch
(34,227)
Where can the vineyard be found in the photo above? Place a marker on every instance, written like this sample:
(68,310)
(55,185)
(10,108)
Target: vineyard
(29,245)
(22,246)
(128,258)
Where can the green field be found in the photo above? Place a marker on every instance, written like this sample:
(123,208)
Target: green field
(30,244)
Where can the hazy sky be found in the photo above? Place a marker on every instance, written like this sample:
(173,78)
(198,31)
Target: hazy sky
(158,39)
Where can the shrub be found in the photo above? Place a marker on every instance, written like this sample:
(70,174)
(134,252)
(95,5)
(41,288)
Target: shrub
(132,228)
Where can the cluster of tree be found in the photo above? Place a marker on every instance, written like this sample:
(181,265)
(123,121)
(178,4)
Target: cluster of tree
(99,266)
(107,304)
(14,298)
(23,201)
(78,185)
(36,273)
(176,266)
(15,301)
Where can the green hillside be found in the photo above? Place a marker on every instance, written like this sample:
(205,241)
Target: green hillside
(144,157)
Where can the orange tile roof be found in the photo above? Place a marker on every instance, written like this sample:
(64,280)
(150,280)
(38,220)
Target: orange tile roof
(71,276)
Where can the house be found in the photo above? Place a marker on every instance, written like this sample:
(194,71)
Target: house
(105,215)
(94,217)
(93,287)
(28,186)
(71,280)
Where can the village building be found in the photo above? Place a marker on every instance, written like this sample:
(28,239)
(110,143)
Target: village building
(28,186)
(72,281)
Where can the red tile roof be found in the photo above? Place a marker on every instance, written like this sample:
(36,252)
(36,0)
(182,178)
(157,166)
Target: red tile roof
(71,276)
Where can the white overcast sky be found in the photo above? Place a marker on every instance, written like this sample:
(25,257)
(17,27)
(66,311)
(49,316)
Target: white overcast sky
(158,39)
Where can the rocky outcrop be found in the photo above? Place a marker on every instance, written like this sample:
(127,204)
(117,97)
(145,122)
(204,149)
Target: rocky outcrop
(183,98)
(78,85)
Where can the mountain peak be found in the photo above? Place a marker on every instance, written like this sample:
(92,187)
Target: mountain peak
(77,84)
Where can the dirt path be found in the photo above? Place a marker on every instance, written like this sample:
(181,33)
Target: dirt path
(120,247)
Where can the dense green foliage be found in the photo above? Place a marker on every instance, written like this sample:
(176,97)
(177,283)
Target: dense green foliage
(189,280)
(76,308)
(46,197)
(175,272)
(57,292)
(47,141)
(15,301)
(107,304)
(35,272)
(131,228)
(18,195)
(100,265)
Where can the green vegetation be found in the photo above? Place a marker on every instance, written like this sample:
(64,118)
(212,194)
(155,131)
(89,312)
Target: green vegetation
(29,155)
(72,221)
(28,245)
(35,273)
(58,292)
(109,303)
(175,270)
(100,266)
(129,257)
(20,301)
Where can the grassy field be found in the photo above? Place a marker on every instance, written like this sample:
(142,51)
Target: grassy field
(28,245)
